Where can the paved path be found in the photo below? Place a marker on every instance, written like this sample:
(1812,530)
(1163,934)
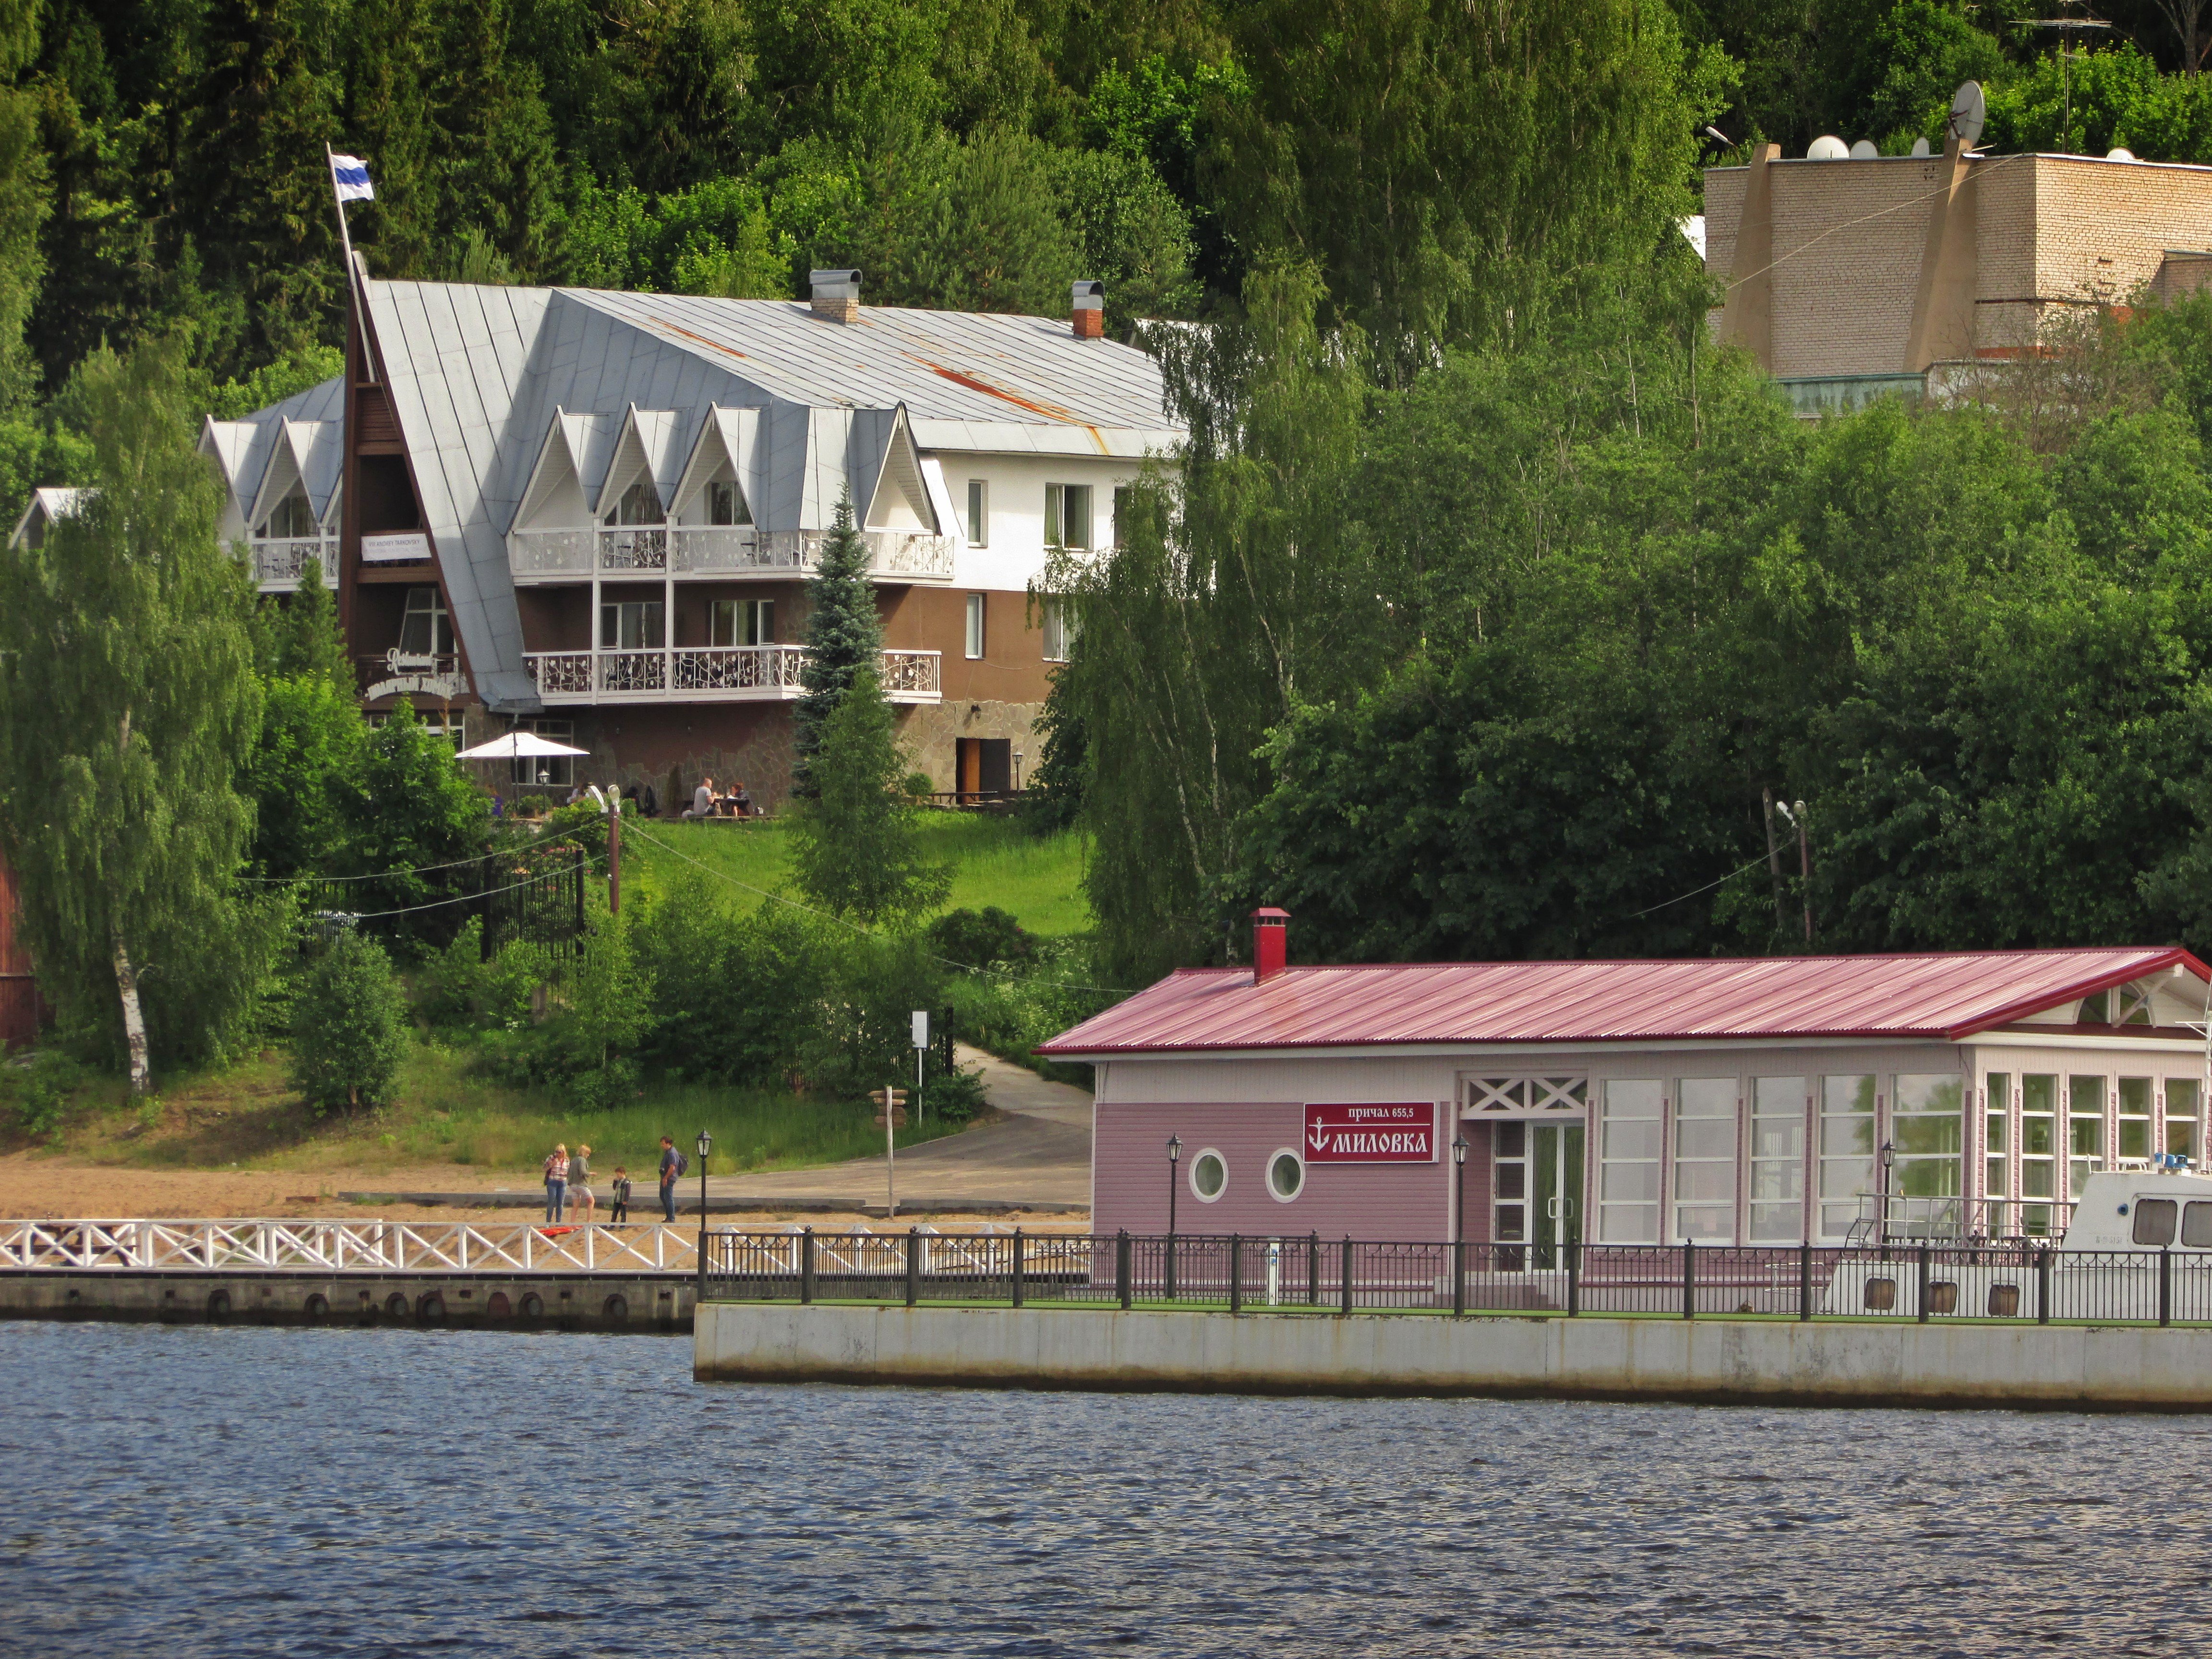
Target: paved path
(1038,1157)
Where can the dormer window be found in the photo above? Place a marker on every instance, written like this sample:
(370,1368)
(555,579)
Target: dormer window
(639,504)
(291,519)
(726,503)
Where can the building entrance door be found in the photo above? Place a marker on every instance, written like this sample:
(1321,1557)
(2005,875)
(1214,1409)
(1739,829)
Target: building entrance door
(1536,1192)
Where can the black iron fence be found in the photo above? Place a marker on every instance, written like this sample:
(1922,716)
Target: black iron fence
(1312,1274)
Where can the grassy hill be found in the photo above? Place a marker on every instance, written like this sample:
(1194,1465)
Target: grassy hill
(1038,879)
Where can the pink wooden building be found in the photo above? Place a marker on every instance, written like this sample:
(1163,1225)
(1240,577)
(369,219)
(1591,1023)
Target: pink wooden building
(1771,1101)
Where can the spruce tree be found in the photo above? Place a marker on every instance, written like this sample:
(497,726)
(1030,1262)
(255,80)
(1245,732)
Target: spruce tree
(844,635)
(348,1027)
(128,701)
(854,852)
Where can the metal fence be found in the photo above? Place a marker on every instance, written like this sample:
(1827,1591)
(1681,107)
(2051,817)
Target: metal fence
(1925,1282)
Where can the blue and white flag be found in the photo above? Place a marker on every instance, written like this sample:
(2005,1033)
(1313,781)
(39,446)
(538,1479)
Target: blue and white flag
(350,174)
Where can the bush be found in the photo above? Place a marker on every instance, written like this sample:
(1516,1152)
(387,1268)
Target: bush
(953,1097)
(979,939)
(348,1027)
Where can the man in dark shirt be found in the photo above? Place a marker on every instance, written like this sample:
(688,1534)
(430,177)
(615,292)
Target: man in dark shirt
(668,1171)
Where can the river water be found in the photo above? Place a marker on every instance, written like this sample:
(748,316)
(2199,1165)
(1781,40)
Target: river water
(183,1491)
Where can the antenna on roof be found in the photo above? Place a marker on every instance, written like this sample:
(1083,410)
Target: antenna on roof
(1969,109)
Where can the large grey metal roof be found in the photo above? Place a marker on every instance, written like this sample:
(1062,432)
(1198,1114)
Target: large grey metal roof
(478,375)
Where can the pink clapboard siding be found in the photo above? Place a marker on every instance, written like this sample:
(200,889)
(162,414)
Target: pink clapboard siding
(1129,1167)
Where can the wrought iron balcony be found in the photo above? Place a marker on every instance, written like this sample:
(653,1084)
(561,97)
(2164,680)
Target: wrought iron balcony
(717,673)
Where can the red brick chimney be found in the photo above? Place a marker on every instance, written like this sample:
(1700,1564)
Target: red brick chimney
(1270,943)
(1089,314)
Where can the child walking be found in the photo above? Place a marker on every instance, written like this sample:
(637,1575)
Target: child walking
(618,1191)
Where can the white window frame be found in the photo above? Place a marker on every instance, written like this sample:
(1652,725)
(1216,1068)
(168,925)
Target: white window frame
(1065,504)
(1053,624)
(979,512)
(1198,1158)
(1273,1157)
(1832,1166)
(1619,1108)
(974,639)
(440,622)
(1778,1106)
(1717,1101)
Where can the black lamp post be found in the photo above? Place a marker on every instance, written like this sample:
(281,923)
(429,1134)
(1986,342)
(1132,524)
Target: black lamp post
(1175,1156)
(1459,1189)
(706,1144)
(1888,1163)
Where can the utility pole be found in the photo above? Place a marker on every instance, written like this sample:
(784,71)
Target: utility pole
(1805,871)
(1773,860)
(614,852)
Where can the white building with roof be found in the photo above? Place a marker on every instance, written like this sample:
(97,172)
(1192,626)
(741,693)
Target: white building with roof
(596,512)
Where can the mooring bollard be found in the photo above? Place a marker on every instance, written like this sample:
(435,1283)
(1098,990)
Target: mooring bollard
(1805,1280)
(1920,1292)
(807,1266)
(913,1266)
(1122,1292)
(1236,1272)
(1017,1267)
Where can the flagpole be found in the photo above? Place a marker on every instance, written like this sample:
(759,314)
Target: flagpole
(353,281)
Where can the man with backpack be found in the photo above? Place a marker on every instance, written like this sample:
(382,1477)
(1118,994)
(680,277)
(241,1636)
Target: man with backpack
(672,1165)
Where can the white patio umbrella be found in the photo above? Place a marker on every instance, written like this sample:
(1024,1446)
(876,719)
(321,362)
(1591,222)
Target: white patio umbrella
(518,745)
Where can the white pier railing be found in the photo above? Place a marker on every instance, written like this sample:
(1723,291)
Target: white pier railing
(363,1247)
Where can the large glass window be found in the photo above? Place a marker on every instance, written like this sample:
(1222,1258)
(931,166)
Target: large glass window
(1996,1142)
(2084,1130)
(291,519)
(741,622)
(1509,1183)
(2134,1116)
(2038,1151)
(1629,1142)
(1846,1150)
(1067,515)
(639,504)
(727,504)
(2184,1102)
(425,628)
(1054,622)
(630,625)
(1927,1127)
(1778,1159)
(1705,1159)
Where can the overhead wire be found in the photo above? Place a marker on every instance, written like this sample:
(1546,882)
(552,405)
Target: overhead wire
(420,869)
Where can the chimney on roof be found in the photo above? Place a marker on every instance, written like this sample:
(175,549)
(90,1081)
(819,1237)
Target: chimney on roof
(836,295)
(1089,315)
(1270,943)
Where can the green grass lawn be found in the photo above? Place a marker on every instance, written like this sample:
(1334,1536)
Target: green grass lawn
(245,1114)
(1038,879)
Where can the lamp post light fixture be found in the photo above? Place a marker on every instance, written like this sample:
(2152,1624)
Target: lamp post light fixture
(706,1144)
(1017,771)
(1459,1189)
(1167,1261)
(1888,1162)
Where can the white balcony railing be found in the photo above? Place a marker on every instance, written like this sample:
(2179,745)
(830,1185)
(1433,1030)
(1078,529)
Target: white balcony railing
(278,560)
(572,555)
(721,673)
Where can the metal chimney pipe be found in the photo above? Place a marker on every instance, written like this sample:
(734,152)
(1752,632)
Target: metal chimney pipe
(1270,943)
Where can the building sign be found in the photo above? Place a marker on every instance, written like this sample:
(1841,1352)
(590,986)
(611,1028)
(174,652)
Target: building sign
(394,547)
(1401,1133)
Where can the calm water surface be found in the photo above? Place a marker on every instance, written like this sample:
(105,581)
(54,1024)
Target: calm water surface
(245,1492)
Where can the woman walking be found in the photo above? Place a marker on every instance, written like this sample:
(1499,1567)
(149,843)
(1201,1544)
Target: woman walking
(556,1181)
(581,1203)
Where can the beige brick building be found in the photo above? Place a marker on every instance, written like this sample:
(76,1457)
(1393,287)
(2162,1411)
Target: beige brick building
(1848,278)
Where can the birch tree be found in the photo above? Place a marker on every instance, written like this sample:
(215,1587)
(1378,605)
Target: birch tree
(127,703)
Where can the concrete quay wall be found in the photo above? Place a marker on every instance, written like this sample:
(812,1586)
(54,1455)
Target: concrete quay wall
(643,1303)
(2099,1368)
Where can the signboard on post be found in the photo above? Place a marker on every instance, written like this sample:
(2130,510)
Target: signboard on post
(921,1028)
(1398,1132)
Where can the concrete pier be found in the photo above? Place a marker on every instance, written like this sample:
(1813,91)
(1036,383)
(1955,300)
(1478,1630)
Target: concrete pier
(1828,1363)
(640,1302)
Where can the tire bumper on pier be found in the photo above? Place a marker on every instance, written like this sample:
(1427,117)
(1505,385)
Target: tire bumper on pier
(465,1301)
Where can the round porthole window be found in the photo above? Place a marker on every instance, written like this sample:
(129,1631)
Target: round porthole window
(1287,1176)
(1209,1176)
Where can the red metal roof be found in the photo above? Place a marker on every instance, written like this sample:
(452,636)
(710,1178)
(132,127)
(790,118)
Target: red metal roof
(1950,995)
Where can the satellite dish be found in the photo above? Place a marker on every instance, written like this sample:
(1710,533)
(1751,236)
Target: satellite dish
(1968,111)
(1920,147)
(1828,147)
(1864,151)
(2122,154)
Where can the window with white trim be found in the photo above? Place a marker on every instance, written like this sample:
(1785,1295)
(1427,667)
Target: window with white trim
(1847,1150)
(426,629)
(974,639)
(554,771)
(1778,1159)
(1705,1159)
(1928,1128)
(1067,516)
(2183,1103)
(1053,620)
(2134,1116)
(2038,1151)
(979,513)
(1630,1140)
(741,622)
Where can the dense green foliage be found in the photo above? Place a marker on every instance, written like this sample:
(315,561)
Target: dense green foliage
(1586,605)
(852,843)
(127,703)
(349,1028)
